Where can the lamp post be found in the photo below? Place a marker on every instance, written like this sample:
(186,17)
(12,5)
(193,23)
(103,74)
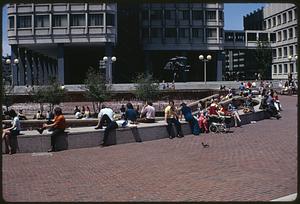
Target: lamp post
(290,59)
(108,73)
(208,58)
(9,62)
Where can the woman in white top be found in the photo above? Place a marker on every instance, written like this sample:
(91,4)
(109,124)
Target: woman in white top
(14,130)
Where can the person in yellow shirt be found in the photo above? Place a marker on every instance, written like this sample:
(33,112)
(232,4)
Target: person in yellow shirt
(171,117)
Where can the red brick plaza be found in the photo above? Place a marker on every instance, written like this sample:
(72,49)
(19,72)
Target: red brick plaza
(257,162)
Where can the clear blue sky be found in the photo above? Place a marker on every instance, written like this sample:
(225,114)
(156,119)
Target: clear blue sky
(233,14)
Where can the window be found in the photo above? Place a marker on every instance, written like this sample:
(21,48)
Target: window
(156,32)
(42,21)
(184,14)
(274,69)
(145,14)
(291,50)
(290,15)
(285,68)
(95,19)
(240,37)
(11,20)
(197,15)
(229,36)
(284,18)
(295,33)
(269,23)
(59,21)
(155,14)
(273,37)
(263,36)
(211,32)
(280,69)
(274,53)
(291,33)
(77,20)
(184,32)
(24,21)
(284,34)
(295,13)
(279,36)
(221,31)
(171,33)
(265,25)
(211,15)
(110,19)
(291,68)
(285,52)
(279,20)
(169,14)
(251,36)
(221,15)
(197,33)
(279,52)
(274,21)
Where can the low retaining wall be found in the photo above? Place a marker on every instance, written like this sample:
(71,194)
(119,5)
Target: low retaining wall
(85,137)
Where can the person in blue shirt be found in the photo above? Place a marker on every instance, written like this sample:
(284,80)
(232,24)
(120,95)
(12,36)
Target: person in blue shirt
(188,116)
(130,113)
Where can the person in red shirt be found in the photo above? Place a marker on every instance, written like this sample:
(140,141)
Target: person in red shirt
(58,127)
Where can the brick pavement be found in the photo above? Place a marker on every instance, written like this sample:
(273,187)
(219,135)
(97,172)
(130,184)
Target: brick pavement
(257,162)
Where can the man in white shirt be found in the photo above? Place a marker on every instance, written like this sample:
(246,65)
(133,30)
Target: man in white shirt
(147,113)
(105,116)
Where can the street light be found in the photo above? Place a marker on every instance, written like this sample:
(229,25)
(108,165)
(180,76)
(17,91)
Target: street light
(109,61)
(15,62)
(208,58)
(290,57)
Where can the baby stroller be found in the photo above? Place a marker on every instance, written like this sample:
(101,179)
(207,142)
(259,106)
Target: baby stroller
(219,124)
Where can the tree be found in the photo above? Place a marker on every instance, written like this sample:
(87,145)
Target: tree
(53,94)
(146,88)
(263,55)
(7,95)
(96,89)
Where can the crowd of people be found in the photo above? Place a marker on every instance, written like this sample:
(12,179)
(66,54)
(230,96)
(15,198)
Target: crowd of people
(222,109)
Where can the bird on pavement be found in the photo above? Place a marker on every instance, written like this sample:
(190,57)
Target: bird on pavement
(205,145)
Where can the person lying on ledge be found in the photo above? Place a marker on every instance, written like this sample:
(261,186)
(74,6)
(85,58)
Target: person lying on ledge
(147,113)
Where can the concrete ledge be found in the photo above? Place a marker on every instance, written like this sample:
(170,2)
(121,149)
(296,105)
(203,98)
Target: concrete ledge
(83,137)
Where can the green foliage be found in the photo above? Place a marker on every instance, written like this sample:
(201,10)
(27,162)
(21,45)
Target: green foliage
(146,87)
(263,57)
(53,94)
(97,91)
(7,95)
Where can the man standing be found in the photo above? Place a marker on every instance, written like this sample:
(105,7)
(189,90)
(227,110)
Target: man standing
(171,117)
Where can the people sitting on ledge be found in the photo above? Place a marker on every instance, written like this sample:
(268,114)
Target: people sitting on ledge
(131,114)
(147,113)
(105,117)
(21,115)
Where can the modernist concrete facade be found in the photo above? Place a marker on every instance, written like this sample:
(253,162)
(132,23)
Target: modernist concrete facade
(63,40)
(282,19)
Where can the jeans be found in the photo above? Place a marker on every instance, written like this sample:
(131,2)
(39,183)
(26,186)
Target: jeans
(111,126)
(177,124)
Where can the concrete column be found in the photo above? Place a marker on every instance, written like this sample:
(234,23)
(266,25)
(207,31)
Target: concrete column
(108,54)
(220,61)
(60,64)
(40,70)
(49,63)
(46,73)
(148,64)
(21,67)
(14,67)
(28,68)
(34,69)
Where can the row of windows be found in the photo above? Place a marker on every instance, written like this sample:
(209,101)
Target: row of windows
(284,52)
(283,68)
(286,34)
(182,15)
(182,32)
(61,20)
(281,19)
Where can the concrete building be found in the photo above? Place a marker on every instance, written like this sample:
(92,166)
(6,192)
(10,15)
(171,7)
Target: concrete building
(281,19)
(63,40)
